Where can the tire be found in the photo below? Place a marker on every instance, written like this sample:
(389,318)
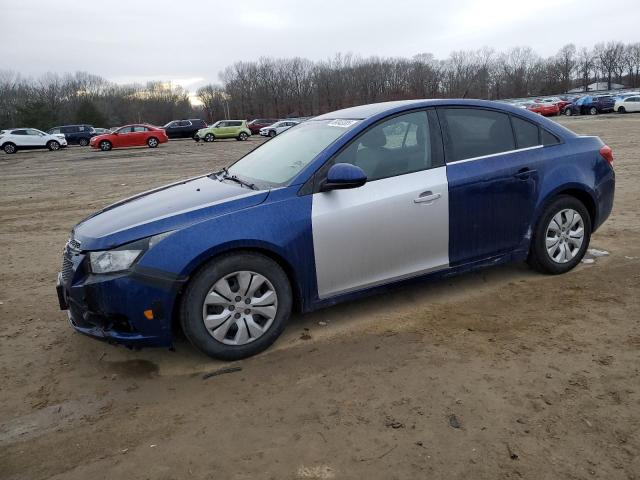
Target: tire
(232,326)
(53,145)
(209,137)
(83,142)
(622,110)
(551,260)
(242,136)
(593,111)
(9,148)
(152,142)
(105,145)
(568,112)
(272,133)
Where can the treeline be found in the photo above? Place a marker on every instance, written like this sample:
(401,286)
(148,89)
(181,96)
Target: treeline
(300,87)
(84,98)
(282,87)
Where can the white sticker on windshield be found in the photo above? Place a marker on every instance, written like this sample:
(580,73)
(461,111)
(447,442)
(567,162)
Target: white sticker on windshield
(342,123)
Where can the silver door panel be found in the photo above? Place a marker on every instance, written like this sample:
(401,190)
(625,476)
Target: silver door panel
(386,230)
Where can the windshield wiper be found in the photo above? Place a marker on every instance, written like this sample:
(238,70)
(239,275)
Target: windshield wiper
(227,176)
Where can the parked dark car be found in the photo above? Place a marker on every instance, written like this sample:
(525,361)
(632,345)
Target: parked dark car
(591,105)
(75,134)
(184,128)
(258,123)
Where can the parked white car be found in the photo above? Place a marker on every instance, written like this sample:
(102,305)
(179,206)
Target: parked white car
(16,139)
(277,128)
(629,104)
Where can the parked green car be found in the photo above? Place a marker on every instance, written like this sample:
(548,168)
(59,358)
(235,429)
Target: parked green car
(224,129)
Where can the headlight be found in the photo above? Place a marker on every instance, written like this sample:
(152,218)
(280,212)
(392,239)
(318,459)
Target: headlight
(121,258)
(113,260)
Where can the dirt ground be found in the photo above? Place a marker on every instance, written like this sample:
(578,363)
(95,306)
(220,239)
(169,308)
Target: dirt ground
(503,373)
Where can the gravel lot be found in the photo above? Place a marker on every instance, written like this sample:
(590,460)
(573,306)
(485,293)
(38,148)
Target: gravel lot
(503,373)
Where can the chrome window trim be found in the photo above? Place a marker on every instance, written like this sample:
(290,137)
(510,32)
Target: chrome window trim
(494,154)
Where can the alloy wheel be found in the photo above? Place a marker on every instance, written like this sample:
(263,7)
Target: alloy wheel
(9,148)
(240,308)
(564,236)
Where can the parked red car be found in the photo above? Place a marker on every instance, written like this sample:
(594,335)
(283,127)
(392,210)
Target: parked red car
(258,123)
(130,136)
(556,100)
(544,109)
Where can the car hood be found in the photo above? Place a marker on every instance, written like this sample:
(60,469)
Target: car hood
(163,209)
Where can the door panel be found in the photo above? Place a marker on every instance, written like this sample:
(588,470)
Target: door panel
(386,230)
(491,202)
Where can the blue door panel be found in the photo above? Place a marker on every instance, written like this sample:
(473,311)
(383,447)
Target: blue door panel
(491,204)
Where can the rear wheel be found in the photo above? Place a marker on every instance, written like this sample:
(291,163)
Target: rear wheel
(9,148)
(209,137)
(53,145)
(83,142)
(152,142)
(568,112)
(243,136)
(593,111)
(105,145)
(561,237)
(236,306)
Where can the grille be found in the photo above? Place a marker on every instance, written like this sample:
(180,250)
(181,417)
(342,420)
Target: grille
(67,267)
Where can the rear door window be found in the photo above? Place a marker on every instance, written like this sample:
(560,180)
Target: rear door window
(475,132)
(527,133)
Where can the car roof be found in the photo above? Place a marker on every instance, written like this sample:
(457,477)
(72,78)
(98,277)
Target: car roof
(366,111)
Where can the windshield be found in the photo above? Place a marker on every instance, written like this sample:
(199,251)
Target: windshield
(280,159)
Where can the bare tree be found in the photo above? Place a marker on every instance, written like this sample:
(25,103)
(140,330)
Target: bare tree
(609,57)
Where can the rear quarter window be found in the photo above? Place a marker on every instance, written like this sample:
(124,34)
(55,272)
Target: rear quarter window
(549,138)
(527,133)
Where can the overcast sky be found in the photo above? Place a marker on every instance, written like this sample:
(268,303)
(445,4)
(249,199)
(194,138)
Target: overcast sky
(190,42)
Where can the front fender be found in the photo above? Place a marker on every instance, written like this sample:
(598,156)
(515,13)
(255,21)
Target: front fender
(280,226)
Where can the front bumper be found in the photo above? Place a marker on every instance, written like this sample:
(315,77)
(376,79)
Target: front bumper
(116,307)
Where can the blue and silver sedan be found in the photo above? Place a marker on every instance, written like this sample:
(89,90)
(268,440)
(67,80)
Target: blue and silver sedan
(342,205)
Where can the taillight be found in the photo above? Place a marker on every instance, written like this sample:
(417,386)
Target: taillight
(607,154)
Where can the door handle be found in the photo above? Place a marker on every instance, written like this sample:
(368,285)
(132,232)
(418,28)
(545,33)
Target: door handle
(427,197)
(524,173)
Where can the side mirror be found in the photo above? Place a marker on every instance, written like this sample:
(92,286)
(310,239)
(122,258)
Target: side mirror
(115,132)
(342,176)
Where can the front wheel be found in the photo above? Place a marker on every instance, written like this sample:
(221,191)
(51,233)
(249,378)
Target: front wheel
(568,112)
(561,237)
(236,306)
(621,110)
(209,137)
(593,111)
(152,142)
(105,145)
(53,145)
(9,148)
(272,133)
